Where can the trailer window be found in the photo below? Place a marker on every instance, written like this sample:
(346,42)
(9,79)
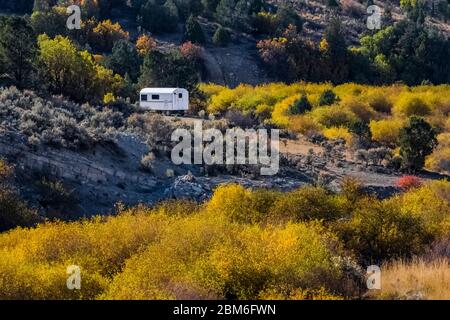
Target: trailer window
(155,96)
(143,97)
(180,96)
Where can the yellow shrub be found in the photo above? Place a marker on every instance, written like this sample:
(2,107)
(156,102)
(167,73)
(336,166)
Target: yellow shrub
(386,131)
(430,203)
(334,133)
(227,98)
(109,241)
(349,90)
(380,230)
(379,102)
(205,257)
(23,280)
(303,204)
(109,98)
(298,294)
(442,103)
(5,169)
(240,204)
(280,114)
(411,104)
(333,116)
(171,268)
(304,124)
(242,244)
(362,110)
(439,160)
(263,111)
(211,89)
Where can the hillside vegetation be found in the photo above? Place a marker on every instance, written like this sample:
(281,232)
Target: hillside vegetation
(87,177)
(241,244)
(123,46)
(358,114)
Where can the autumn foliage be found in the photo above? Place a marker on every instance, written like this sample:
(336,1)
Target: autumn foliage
(242,244)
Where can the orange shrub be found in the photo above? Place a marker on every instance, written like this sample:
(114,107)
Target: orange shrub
(145,44)
(408,182)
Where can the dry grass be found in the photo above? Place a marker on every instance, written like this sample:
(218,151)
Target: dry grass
(415,280)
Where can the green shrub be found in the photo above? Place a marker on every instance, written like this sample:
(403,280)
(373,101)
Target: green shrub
(221,37)
(194,32)
(300,106)
(327,98)
(417,140)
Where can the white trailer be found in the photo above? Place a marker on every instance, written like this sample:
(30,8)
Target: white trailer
(164,99)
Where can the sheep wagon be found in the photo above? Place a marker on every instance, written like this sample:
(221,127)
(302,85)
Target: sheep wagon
(166,100)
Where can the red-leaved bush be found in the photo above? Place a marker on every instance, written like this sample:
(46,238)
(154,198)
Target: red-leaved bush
(191,51)
(408,182)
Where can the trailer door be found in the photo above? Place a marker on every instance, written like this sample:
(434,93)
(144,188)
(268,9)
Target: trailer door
(180,98)
(175,100)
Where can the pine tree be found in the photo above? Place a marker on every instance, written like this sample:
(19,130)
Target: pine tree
(124,59)
(417,140)
(210,5)
(194,32)
(300,106)
(17,49)
(221,37)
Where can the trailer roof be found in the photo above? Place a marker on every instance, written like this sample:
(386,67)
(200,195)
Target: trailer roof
(161,90)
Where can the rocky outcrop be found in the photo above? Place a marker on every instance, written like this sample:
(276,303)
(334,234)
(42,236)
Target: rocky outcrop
(201,188)
(187,187)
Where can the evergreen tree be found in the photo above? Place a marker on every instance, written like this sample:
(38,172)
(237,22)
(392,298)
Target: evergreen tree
(194,32)
(168,70)
(225,11)
(128,89)
(196,7)
(409,52)
(124,59)
(333,4)
(334,52)
(210,6)
(221,37)
(158,18)
(17,49)
(172,9)
(300,106)
(327,98)
(234,13)
(417,140)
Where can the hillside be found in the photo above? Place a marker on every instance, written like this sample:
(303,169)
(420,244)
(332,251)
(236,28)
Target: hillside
(314,150)
(238,62)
